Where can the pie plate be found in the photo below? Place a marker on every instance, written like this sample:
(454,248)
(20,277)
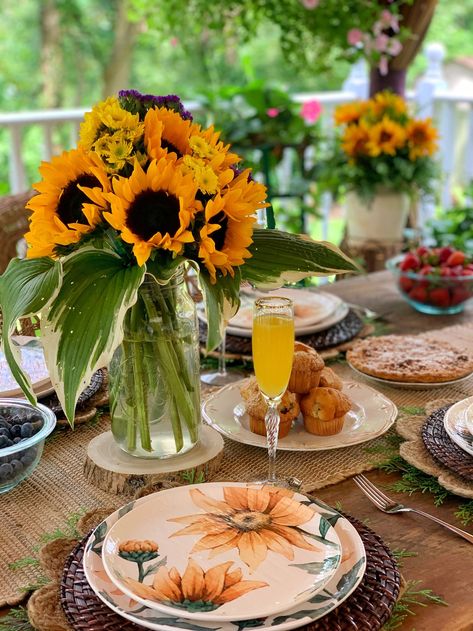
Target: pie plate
(410,385)
(371,415)
(456,424)
(345,580)
(225,551)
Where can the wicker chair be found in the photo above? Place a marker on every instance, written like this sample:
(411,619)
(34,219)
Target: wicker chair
(13,225)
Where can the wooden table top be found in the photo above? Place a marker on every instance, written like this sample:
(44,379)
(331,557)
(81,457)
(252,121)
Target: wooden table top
(444,562)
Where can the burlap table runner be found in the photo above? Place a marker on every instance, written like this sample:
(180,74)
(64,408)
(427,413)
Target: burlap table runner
(43,502)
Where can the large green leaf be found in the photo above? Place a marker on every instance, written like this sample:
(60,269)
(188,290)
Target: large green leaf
(280,257)
(84,325)
(26,287)
(221,303)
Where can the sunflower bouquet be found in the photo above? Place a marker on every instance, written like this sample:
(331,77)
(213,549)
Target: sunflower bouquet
(146,193)
(379,145)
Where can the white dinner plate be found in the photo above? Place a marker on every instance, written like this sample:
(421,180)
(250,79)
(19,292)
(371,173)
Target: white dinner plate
(457,426)
(371,415)
(222,551)
(32,362)
(343,583)
(410,385)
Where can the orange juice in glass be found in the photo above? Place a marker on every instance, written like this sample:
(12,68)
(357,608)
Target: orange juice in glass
(273,351)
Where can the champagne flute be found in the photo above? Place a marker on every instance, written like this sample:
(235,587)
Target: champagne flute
(221,376)
(273,351)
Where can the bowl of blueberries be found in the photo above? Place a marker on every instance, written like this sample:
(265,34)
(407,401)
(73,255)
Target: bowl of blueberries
(23,430)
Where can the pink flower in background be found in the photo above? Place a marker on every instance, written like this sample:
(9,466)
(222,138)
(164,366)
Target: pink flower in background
(354,36)
(394,47)
(383,65)
(381,43)
(386,20)
(174,41)
(272,112)
(310,4)
(311,111)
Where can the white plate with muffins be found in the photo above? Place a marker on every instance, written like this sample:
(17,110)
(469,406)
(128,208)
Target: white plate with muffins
(318,411)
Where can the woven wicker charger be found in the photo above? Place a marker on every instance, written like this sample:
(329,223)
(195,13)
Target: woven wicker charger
(96,383)
(369,607)
(441,447)
(339,333)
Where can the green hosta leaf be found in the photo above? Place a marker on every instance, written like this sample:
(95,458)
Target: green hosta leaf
(84,325)
(279,257)
(221,303)
(26,287)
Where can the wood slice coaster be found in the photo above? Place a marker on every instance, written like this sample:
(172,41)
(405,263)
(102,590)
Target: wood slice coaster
(441,447)
(109,468)
(369,607)
(339,333)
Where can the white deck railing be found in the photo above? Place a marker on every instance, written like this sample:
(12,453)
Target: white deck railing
(452,112)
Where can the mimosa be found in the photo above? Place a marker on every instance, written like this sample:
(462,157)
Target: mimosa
(273,350)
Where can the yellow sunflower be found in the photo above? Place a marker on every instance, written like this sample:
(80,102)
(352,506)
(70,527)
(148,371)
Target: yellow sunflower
(387,101)
(253,520)
(153,208)
(385,137)
(350,112)
(70,201)
(166,133)
(422,138)
(228,231)
(355,138)
(196,589)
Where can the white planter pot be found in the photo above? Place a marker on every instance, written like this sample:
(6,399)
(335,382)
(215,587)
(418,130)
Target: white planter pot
(381,219)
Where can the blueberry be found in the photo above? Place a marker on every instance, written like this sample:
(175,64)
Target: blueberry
(28,458)
(26,430)
(17,440)
(4,424)
(17,466)
(5,471)
(4,432)
(4,440)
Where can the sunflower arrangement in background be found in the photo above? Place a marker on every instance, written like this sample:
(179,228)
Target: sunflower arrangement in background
(380,144)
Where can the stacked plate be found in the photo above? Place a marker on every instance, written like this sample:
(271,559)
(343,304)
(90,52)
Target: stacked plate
(458,423)
(313,311)
(224,556)
(33,364)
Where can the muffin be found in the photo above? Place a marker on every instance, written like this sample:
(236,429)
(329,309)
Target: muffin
(307,367)
(324,411)
(329,379)
(257,407)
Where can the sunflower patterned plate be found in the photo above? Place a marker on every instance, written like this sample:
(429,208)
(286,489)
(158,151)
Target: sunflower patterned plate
(457,423)
(222,551)
(343,583)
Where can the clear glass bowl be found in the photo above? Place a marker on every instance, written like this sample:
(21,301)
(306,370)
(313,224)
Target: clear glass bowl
(429,293)
(19,460)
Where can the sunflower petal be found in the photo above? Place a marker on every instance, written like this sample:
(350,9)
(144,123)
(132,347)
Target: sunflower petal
(239,589)
(293,537)
(236,497)
(141,590)
(233,543)
(215,581)
(224,536)
(289,512)
(253,549)
(258,499)
(209,504)
(165,587)
(278,544)
(193,581)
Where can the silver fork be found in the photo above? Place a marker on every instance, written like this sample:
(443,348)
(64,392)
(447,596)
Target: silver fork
(387,505)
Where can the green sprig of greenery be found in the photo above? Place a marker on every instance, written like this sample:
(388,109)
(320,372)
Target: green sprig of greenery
(16,620)
(412,597)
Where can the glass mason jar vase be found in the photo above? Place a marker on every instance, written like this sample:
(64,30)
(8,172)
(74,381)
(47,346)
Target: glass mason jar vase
(154,373)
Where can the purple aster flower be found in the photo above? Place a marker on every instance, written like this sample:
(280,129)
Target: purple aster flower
(137,103)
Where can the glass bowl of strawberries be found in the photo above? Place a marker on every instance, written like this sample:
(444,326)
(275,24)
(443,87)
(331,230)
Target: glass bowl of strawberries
(437,281)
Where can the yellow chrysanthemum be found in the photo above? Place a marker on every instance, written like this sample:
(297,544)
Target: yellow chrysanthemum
(153,208)
(204,176)
(422,138)
(228,231)
(350,112)
(389,102)
(200,147)
(355,139)
(166,133)
(385,137)
(106,118)
(70,201)
(220,159)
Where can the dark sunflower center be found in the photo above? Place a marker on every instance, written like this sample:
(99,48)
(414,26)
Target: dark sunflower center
(385,136)
(249,520)
(219,235)
(167,144)
(69,208)
(152,212)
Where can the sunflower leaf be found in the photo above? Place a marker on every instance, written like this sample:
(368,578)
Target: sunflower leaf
(84,326)
(221,303)
(278,257)
(26,287)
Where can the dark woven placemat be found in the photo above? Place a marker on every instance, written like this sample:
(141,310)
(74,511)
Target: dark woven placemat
(339,333)
(96,383)
(442,448)
(369,607)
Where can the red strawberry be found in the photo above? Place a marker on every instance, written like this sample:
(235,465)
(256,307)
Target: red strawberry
(406,284)
(459,295)
(467,271)
(445,253)
(422,250)
(457,258)
(410,261)
(426,270)
(418,293)
(457,270)
(440,297)
(445,271)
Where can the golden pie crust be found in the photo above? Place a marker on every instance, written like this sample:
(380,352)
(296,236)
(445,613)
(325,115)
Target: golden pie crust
(410,359)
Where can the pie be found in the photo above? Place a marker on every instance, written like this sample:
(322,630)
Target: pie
(410,358)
